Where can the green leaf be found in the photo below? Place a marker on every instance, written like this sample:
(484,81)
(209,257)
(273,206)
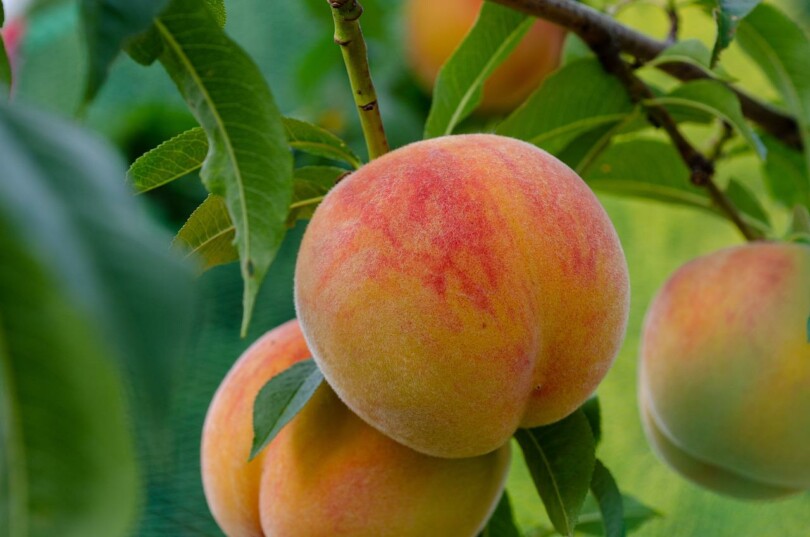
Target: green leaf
(712,97)
(249,162)
(799,231)
(786,174)
(693,52)
(646,168)
(747,202)
(318,141)
(107,25)
(281,399)
(560,458)
(319,60)
(67,464)
(607,495)
(87,290)
(728,15)
(209,233)
(593,412)
(186,152)
(147,46)
(113,259)
(171,160)
(634,515)
(459,85)
(582,151)
(652,169)
(311,185)
(780,48)
(800,222)
(577,98)
(502,522)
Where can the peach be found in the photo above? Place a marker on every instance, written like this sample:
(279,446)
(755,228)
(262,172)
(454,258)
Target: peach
(328,473)
(725,370)
(459,288)
(231,483)
(435,28)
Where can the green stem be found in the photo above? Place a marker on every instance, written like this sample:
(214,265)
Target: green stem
(349,36)
(304,203)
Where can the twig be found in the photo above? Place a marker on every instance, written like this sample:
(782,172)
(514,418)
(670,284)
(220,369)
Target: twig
(674,23)
(349,36)
(591,25)
(604,43)
(719,144)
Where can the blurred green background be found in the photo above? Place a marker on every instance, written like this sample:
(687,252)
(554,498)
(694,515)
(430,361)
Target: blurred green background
(292,42)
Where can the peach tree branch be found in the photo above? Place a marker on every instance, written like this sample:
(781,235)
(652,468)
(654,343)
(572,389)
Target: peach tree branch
(591,26)
(604,41)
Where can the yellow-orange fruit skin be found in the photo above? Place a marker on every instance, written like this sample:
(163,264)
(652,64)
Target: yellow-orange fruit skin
(458,288)
(725,370)
(328,473)
(231,483)
(435,28)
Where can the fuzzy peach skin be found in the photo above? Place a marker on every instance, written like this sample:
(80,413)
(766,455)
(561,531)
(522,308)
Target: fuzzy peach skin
(725,370)
(231,483)
(328,473)
(434,28)
(459,288)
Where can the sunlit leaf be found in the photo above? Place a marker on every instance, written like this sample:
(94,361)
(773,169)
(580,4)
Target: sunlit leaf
(747,202)
(691,51)
(171,160)
(786,174)
(311,185)
(459,86)
(579,97)
(660,175)
(209,233)
(318,141)
(728,15)
(713,98)
(781,48)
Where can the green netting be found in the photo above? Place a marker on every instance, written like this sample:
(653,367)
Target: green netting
(174,503)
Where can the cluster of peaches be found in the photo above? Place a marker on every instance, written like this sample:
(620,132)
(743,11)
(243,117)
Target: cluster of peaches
(460,288)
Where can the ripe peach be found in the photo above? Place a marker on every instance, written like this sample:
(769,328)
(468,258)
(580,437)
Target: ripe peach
(459,288)
(725,370)
(231,483)
(435,28)
(328,473)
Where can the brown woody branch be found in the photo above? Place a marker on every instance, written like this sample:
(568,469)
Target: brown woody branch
(591,26)
(603,40)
